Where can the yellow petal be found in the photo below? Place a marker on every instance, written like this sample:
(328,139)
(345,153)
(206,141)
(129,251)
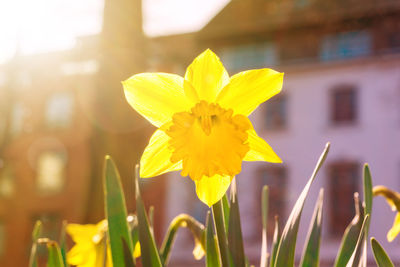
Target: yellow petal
(207,75)
(82,233)
(260,150)
(156,156)
(156,96)
(137,251)
(248,89)
(212,189)
(391,235)
(81,255)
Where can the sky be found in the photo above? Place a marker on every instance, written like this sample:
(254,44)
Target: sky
(47,25)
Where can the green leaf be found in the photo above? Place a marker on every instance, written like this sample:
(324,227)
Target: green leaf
(115,210)
(310,256)
(226,208)
(264,215)
(380,255)
(128,257)
(356,256)
(63,243)
(151,219)
(149,251)
(235,239)
(350,235)
(367,181)
(37,229)
(219,222)
(287,245)
(212,257)
(54,255)
(275,242)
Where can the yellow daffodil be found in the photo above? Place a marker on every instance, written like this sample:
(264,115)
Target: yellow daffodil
(202,122)
(393,199)
(90,248)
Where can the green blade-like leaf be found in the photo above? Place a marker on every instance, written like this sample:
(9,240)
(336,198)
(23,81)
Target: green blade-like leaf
(381,257)
(367,184)
(356,256)
(63,243)
(226,208)
(151,219)
(54,255)
(115,210)
(128,257)
(310,256)
(264,215)
(367,181)
(37,229)
(275,242)
(221,231)
(350,235)
(235,239)
(287,245)
(149,251)
(212,255)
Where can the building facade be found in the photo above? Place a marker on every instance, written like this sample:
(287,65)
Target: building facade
(64,111)
(341,84)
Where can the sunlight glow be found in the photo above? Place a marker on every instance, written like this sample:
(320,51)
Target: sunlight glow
(46,25)
(164,17)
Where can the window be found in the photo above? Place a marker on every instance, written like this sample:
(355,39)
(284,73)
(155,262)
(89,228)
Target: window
(249,56)
(346,45)
(275,177)
(6,181)
(342,184)
(344,104)
(51,172)
(59,110)
(276,113)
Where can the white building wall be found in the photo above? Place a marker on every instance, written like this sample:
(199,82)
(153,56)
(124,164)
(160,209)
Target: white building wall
(374,138)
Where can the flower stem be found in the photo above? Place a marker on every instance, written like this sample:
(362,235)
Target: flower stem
(182,220)
(218,216)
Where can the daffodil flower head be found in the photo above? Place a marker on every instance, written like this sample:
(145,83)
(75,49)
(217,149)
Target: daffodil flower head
(202,122)
(91,248)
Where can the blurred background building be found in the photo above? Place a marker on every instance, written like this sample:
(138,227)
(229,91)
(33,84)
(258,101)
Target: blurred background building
(61,112)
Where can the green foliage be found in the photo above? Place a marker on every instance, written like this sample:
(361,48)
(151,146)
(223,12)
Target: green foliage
(235,239)
(222,242)
(287,244)
(355,258)
(115,210)
(310,256)
(350,236)
(380,255)
(37,229)
(275,242)
(63,243)
(212,255)
(149,251)
(54,258)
